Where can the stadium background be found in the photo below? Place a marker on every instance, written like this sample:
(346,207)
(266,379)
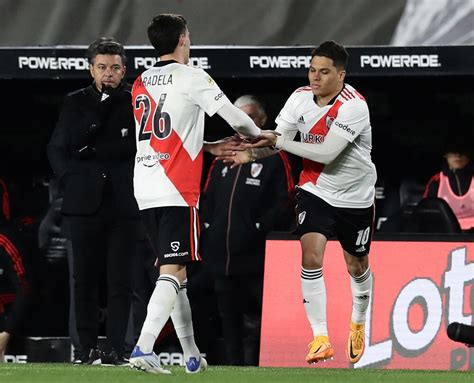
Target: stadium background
(412,111)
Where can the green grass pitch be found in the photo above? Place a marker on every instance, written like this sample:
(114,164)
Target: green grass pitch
(59,373)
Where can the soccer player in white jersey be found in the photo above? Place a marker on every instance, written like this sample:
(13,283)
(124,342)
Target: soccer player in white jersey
(169,101)
(335,196)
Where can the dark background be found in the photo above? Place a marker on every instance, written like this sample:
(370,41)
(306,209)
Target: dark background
(412,118)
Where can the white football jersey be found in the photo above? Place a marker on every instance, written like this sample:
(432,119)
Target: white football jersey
(349,180)
(169,102)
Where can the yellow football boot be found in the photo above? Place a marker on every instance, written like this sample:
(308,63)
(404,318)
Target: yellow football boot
(319,349)
(356,342)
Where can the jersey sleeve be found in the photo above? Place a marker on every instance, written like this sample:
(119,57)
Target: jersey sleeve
(352,118)
(287,117)
(206,93)
(286,120)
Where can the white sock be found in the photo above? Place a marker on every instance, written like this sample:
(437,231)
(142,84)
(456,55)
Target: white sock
(361,288)
(158,311)
(183,323)
(314,299)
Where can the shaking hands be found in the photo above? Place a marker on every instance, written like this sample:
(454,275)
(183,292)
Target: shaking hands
(237,150)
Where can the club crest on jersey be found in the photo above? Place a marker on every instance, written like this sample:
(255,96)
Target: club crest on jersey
(256,169)
(329,121)
(210,80)
(301,217)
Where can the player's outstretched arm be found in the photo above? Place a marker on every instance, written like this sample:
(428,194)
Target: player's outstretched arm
(324,153)
(226,147)
(239,121)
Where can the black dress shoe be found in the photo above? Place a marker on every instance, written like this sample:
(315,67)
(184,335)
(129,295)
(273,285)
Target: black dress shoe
(113,358)
(91,357)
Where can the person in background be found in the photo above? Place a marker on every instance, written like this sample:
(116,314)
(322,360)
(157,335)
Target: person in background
(170,101)
(91,152)
(239,207)
(336,192)
(455,183)
(16,276)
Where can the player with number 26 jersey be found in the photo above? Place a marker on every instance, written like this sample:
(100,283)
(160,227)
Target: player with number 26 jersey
(169,102)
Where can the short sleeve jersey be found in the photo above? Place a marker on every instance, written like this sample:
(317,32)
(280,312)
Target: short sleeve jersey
(349,180)
(169,102)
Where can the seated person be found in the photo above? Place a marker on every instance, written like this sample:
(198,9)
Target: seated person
(454,183)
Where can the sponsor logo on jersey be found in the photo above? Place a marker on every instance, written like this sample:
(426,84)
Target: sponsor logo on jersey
(175,245)
(301,217)
(400,61)
(150,160)
(256,169)
(277,62)
(148,62)
(345,127)
(360,249)
(219,96)
(53,63)
(301,120)
(311,138)
(172,255)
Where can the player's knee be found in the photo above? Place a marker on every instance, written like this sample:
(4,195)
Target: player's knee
(357,266)
(312,260)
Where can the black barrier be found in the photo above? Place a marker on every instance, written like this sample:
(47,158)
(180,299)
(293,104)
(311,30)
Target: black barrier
(68,62)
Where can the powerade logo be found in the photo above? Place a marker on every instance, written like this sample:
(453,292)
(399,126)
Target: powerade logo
(400,61)
(148,62)
(279,62)
(53,63)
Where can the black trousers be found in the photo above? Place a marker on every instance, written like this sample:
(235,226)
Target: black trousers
(239,300)
(102,237)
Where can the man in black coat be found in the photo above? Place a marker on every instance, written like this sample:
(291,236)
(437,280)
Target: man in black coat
(91,151)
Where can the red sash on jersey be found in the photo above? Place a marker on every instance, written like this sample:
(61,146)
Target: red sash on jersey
(311,169)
